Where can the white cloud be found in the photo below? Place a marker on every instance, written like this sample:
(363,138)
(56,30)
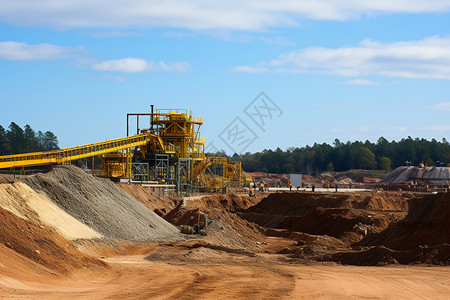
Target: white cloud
(427,58)
(22,51)
(248,69)
(115,34)
(118,79)
(436,129)
(277,40)
(360,82)
(138,65)
(201,14)
(445,106)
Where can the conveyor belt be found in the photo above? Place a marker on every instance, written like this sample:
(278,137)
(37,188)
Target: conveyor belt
(64,156)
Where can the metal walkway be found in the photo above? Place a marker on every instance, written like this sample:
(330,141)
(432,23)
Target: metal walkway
(64,156)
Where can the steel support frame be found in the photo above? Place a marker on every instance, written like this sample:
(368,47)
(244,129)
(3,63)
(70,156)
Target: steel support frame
(140,171)
(162,167)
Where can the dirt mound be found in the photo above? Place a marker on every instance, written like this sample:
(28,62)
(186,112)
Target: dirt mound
(197,253)
(328,214)
(381,255)
(406,174)
(297,204)
(224,227)
(326,223)
(423,236)
(4,180)
(41,244)
(148,198)
(229,202)
(184,216)
(25,203)
(99,204)
(264,175)
(313,246)
(16,265)
(336,222)
(369,180)
(427,224)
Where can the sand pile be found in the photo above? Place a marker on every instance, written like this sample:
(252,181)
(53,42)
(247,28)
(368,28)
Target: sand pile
(406,174)
(41,244)
(148,198)
(102,206)
(20,199)
(4,180)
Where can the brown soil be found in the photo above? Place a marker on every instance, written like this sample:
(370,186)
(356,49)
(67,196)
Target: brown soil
(42,245)
(228,202)
(148,198)
(333,214)
(285,245)
(427,224)
(295,204)
(381,255)
(423,236)
(223,226)
(25,203)
(358,228)
(206,273)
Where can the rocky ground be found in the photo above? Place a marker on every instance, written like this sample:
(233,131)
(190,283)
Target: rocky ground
(66,234)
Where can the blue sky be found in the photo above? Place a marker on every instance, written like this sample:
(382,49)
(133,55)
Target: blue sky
(350,70)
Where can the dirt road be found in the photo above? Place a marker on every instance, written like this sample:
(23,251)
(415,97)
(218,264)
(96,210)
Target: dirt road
(392,282)
(247,278)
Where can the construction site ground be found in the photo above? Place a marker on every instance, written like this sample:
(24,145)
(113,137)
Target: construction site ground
(66,234)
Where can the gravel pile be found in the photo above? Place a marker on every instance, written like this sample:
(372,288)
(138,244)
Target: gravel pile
(405,174)
(102,206)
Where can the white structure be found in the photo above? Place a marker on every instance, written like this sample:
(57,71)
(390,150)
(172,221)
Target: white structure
(296,180)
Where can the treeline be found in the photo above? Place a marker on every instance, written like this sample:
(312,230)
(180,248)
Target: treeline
(16,140)
(382,155)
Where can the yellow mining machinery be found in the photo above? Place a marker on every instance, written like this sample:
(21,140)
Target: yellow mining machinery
(170,149)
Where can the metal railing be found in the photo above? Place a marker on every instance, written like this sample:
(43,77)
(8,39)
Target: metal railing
(66,155)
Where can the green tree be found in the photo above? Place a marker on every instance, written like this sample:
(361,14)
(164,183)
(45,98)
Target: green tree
(337,143)
(366,159)
(15,138)
(288,168)
(384,163)
(50,141)
(4,145)
(30,140)
(41,140)
(344,156)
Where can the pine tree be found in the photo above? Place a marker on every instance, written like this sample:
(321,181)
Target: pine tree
(50,141)
(15,138)
(4,145)
(30,139)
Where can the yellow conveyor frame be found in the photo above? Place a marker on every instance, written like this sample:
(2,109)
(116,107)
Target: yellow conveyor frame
(66,155)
